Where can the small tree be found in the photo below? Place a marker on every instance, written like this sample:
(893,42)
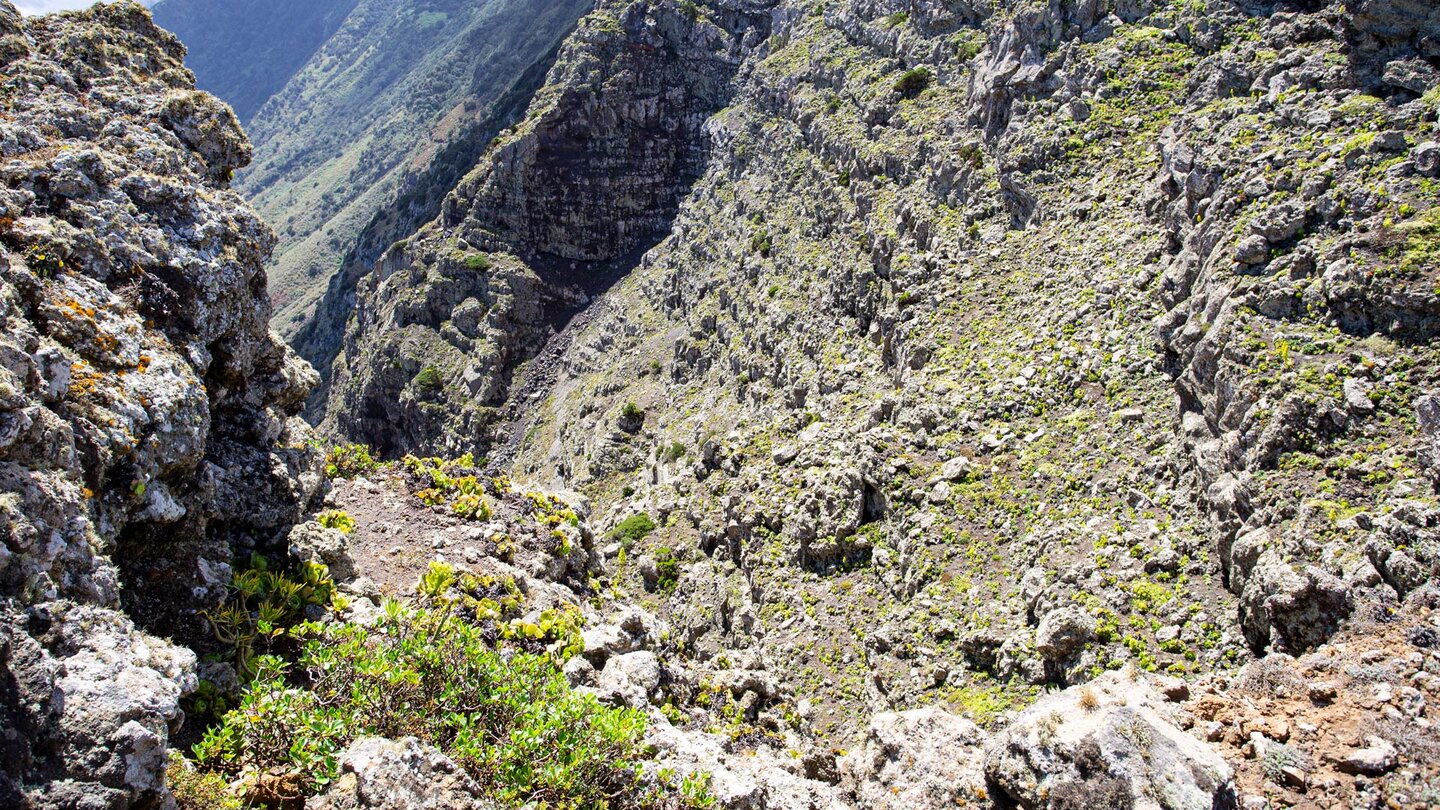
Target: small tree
(632,416)
(913,82)
(429,380)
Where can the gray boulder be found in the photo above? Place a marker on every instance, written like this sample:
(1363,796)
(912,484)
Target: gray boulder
(1293,610)
(94,704)
(1426,157)
(1427,413)
(628,680)
(1063,633)
(916,760)
(311,542)
(1111,743)
(757,779)
(398,775)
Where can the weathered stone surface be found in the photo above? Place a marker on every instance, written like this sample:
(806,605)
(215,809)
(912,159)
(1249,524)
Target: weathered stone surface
(1111,743)
(311,542)
(922,759)
(147,414)
(91,703)
(401,774)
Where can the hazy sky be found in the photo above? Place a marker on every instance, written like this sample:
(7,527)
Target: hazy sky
(47,6)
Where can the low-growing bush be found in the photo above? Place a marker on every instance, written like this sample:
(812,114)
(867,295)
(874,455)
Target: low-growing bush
(452,482)
(349,461)
(429,380)
(631,416)
(913,82)
(265,604)
(632,529)
(336,519)
(510,720)
(472,506)
(667,570)
(196,790)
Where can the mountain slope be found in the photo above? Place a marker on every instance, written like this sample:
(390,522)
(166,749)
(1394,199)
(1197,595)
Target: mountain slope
(246,52)
(991,349)
(384,94)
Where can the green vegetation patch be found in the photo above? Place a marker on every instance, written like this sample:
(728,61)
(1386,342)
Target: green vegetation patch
(511,721)
(336,519)
(633,529)
(349,461)
(913,82)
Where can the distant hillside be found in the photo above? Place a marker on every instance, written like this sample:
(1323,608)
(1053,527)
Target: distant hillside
(396,82)
(247,51)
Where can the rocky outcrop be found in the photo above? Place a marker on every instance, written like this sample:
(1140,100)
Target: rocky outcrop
(147,414)
(90,704)
(1111,743)
(994,347)
(1252,272)
(1068,335)
(914,760)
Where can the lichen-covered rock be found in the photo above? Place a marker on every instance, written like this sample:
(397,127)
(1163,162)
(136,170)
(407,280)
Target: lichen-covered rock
(311,542)
(148,426)
(922,759)
(746,780)
(90,704)
(1111,743)
(401,774)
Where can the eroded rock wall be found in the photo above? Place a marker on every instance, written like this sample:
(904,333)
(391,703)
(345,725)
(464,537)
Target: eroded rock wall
(593,174)
(149,429)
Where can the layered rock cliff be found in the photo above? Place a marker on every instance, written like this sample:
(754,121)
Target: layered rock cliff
(147,429)
(359,122)
(1013,404)
(560,205)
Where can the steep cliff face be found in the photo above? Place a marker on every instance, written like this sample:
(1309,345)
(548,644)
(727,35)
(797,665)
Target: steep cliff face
(558,206)
(374,104)
(996,345)
(416,203)
(147,428)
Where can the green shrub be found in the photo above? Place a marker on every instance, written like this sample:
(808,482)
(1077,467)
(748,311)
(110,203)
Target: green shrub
(471,506)
(478,262)
(511,721)
(667,570)
(429,380)
(264,605)
(674,452)
(349,461)
(969,44)
(633,529)
(913,82)
(632,414)
(336,519)
(760,242)
(196,790)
